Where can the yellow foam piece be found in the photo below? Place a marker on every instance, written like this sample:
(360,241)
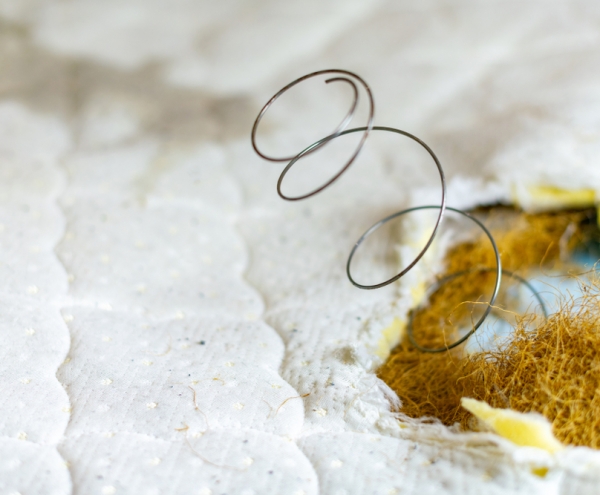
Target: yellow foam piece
(524,429)
(544,198)
(390,337)
(418,293)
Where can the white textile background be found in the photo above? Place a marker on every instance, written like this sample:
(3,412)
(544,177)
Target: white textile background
(169,325)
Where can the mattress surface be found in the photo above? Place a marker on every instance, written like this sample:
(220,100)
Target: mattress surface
(169,324)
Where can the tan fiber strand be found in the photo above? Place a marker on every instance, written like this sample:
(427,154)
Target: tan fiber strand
(551,367)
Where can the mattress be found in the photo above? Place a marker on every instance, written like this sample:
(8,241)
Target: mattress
(169,324)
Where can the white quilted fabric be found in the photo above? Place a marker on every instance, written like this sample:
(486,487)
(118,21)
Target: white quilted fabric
(169,325)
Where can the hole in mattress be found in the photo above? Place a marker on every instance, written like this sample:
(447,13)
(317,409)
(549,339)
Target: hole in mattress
(517,359)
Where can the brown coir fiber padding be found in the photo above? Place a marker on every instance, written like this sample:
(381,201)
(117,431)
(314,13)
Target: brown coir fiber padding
(553,369)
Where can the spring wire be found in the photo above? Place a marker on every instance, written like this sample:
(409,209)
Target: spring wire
(350,78)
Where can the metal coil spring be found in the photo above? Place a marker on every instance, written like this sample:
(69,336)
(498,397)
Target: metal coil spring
(339,75)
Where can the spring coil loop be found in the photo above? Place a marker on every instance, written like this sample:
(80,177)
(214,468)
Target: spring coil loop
(353,80)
